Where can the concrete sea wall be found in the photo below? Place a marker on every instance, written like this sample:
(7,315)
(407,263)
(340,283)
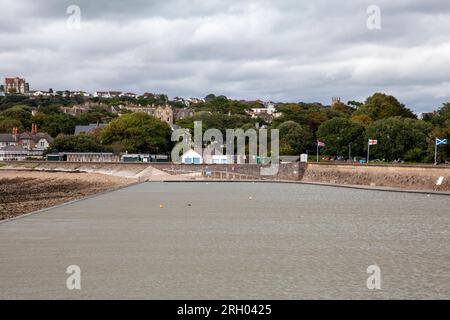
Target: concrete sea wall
(415,177)
(407,177)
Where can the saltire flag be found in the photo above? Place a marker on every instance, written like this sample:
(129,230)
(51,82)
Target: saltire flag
(372,142)
(441,141)
(320,143)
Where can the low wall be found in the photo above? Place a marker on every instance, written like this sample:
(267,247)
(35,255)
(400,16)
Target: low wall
(287,171)
(395,176)
(408,177)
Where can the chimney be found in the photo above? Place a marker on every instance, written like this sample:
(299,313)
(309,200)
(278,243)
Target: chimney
(14,132)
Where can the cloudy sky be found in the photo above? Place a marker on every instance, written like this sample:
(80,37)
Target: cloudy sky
(283,50)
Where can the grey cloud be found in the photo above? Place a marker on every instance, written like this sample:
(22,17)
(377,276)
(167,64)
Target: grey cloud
(286,50)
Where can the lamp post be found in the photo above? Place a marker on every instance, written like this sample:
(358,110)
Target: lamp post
(350,152)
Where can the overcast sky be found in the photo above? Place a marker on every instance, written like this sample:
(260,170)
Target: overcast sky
(284,50)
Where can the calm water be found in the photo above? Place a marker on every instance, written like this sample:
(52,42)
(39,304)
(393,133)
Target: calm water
(232,240)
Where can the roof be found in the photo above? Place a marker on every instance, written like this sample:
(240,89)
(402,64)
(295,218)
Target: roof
(89,128)
(6,137)
(42,135)
(14,149)
(25,135)
(191,153)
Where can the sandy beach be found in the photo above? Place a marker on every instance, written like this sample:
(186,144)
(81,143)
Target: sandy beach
(27,191)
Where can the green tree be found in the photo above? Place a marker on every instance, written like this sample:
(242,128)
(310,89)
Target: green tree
(7,124)
(223,105)
(340,134)
(305,114)
(440,117)
(381,106)
(55,123)
(19,113)
(75,143)
(399,138)
(294,138)
(138,132)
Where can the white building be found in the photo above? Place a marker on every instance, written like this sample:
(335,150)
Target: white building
(191,157)
(219,159)
(107,94)
(129,95)
(40,93)
(212,155)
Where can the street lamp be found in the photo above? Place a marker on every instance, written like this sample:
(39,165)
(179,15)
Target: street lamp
(350,152)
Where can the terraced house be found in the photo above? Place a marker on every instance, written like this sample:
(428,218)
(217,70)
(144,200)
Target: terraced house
(163,113)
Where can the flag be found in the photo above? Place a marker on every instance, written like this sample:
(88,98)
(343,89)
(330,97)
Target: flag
(440,141)
(372,142)
(320,144)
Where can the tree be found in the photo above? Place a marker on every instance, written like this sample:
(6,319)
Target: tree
(75,143)
(355,104)
(381,106)
(95,115)
(222,104)
(399,138)
(440,117)
(294,138)
(55,123)
(19,113)
(362,119)
(7,124)
(342,108)
(339,134)
(305,114)
(138,132)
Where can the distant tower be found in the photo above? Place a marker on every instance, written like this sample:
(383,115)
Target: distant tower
(335,101)
(16,85)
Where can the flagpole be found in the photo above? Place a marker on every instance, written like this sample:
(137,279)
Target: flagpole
(317,142)
(435,151)
(368,151)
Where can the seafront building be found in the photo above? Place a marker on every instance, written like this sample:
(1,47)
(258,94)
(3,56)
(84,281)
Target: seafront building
(21,146)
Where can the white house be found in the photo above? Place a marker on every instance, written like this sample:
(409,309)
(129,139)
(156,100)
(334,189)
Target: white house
(129,95)
(107,94)
(212,155)
(219,159)
(40,93)
(191,157)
